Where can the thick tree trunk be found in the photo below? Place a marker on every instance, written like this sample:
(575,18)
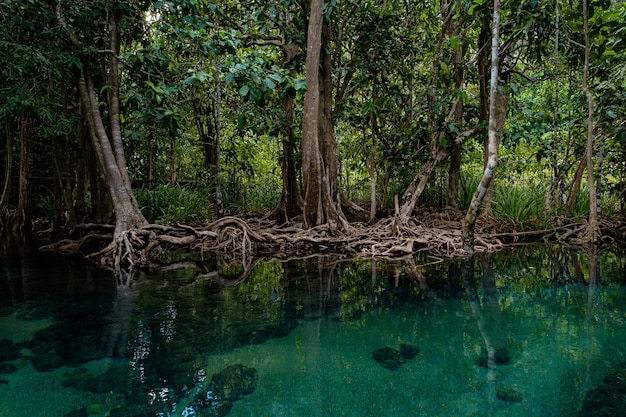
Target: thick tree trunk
(114,104)
(127,213)
(492,161)
(319,176)
(109,150)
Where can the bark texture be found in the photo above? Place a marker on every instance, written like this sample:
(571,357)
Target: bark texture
(593,232)
(469,222)
(319,152)
(107,145)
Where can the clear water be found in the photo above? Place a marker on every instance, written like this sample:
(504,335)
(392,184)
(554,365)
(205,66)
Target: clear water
(89,343)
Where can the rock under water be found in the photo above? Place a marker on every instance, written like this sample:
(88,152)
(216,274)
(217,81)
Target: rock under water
(231,384)
(607,399)
(392,358)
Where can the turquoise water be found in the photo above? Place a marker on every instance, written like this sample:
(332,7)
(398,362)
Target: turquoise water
(302,338)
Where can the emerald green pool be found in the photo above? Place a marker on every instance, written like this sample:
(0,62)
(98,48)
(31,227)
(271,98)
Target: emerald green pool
(321,337)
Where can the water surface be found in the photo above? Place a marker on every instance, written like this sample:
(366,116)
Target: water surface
(303,337)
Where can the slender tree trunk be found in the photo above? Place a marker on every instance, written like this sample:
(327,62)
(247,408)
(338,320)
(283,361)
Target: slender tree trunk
(22,220)
(554,188)
(150,159)
(173,178)
(8,167)
(575,184)
(60,202)
(454,171)
(593,231)
(416,187)
(622,181)
(470,219)
(371,168)
(80,206)
(290,203)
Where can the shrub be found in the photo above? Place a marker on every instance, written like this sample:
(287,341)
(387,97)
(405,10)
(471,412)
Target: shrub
(169,204)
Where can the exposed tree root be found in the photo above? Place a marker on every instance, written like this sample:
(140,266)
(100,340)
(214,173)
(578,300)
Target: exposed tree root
(243,240)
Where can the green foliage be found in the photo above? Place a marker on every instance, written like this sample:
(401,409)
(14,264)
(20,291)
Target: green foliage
(170,204)
(468,186)
(520,207)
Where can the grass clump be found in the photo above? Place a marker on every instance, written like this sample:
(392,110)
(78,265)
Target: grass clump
(520,208)
(170,204)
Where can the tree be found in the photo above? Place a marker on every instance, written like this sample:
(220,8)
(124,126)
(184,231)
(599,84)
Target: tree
(469,221)
(318,169)
(593,231)
(107,143)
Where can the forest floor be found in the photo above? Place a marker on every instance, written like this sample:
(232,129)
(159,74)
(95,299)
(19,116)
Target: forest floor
(244,238)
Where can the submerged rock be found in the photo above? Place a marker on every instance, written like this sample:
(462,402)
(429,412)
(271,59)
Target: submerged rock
(408,351)
(46,361)
(9,351)
(509,394)
(608,399)
(393,359)
(231,384)
(7,368)
(502,357)
(234,382)
(388,357)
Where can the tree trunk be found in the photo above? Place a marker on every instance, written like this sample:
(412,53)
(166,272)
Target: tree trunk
(318,174)
(80,206)
(371,165)
(416,187)
(22,219)
(454,170)
(290,204)
(108,149)
(8,167)
(470,219)
(593,230)
(127,213)
(173,178)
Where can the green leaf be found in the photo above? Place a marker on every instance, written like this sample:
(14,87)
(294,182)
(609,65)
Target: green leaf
(300,85)
(454,129)
(455,42)
(243,91)
(229,77)
(241,121)
(276,78)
